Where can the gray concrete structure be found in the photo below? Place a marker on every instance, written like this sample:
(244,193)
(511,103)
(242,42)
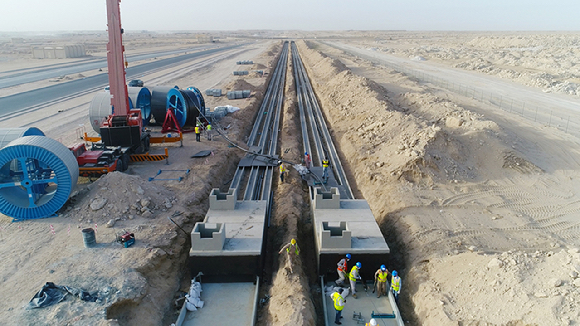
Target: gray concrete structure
(355,220)
(210,237)
(243,227)
(337,236)
(224,304)
(223,201)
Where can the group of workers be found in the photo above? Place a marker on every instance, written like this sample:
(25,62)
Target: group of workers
(308,165)
(198,130)
(353,275)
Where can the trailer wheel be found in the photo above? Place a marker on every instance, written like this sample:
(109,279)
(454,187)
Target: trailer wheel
(125,159)
(146,144)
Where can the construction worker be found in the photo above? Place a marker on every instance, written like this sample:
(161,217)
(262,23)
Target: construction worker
(291,249)
(208,131)
(353,276)
(372,322)
(381,280)
(197,132)
(396,285)
(339,302)
(282,172)
(325,163)
(341,269)
(307,160)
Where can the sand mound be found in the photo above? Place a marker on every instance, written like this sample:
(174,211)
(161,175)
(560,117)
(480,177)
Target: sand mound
(239,84)
(120,196)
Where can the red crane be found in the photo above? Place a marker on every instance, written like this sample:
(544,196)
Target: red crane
(123,127)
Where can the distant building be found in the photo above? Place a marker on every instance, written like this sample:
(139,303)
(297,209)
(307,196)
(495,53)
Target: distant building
(204,38)
(58,52)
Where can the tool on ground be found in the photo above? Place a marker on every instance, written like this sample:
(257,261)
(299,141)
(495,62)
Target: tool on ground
(127,239)
(358,317)
(375,285)
(380,315)
(179,178)
(172,221)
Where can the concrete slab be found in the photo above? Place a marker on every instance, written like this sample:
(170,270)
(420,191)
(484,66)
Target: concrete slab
(366,237)
(365,303)
(244,227)
(224,304)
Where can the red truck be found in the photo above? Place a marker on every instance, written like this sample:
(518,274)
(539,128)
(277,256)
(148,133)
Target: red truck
(99,161)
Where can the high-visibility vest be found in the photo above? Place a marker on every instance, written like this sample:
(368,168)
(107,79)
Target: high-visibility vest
(396,283)
(342,265)
(208,127)
(196,129)
(338,301)
(351,274)
(382,277)
(295,249)
(325,163)
(282,168)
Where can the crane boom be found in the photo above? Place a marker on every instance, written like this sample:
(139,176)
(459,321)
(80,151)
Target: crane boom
(115,49)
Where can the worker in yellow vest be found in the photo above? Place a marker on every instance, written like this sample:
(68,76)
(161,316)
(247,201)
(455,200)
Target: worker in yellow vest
(208,131)
(325,164)
(197,132)
(282,171)
(339,302)
(396,285)
(381,280)
(353,276)
(292,250)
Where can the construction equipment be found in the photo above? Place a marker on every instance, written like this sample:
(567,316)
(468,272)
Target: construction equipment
(358,317)
(127,239)
(98,161)
(122,131)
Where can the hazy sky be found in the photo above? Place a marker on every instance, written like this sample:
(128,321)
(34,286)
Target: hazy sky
(488,15)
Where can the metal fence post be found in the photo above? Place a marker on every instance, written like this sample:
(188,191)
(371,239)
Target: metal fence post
(567,123)
(550,123)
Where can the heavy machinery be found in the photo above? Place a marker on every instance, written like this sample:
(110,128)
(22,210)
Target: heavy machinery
(124,126)
(122,131)
(98,161)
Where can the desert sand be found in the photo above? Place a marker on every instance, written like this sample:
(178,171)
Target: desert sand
(479,206)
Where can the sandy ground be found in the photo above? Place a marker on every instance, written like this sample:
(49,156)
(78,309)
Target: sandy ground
(478,206)
(136,285)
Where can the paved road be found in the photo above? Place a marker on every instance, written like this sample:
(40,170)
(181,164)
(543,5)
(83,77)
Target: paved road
(16,102)
(556,110)
(23,76)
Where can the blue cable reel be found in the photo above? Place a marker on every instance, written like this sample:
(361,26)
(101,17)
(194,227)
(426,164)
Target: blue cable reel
(37,176)
(178,104)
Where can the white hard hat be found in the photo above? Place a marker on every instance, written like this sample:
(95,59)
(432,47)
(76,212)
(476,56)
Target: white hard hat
(373,322)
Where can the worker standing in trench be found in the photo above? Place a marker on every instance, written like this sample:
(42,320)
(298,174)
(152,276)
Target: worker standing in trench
(381,280)
(283,171)
(197,132)
(353,276)
(293,251)
(325,164)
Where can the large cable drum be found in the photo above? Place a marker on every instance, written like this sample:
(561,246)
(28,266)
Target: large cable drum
(7,135)
(37,176)
(159,103)
(200,100)
(141,98)
(179,105)
(100,109)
